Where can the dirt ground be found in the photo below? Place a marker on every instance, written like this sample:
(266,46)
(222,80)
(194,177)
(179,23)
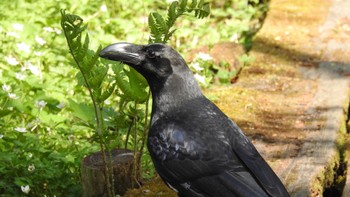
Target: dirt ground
(270,100)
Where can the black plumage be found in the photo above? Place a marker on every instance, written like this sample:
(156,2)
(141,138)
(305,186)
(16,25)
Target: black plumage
(196,149)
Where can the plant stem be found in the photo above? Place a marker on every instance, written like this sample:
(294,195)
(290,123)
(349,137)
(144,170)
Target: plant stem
(135,145)
(145,129)
(97,110)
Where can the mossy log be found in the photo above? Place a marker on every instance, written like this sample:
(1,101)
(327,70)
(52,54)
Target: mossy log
(94,176)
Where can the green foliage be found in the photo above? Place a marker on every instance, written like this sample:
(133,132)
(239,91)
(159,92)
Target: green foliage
(47,119)
(94,76)
(131,83)
(160,28)
(239,20)
(207,72)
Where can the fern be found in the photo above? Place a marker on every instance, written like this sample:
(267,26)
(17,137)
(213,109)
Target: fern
(161,29)
(84,58)
(172,14)
(129,82)
(92,74)
(129,85)
(108,92)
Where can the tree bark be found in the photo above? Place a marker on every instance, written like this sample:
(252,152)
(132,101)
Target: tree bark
(94,177)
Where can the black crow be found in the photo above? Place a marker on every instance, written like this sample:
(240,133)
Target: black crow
(196,149)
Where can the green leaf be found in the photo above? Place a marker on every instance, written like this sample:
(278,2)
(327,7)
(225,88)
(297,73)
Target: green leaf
(160,22)
(97,75)
(117,68)
(156,35)
(182,7)
(84,49)
(82,111)
(161,30)
(107,93)
(172,14)
(193,4)
(92,60)
(132,88)
(5,112)
(202,10)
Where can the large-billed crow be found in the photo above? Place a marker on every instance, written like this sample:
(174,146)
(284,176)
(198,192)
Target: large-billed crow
(196,149)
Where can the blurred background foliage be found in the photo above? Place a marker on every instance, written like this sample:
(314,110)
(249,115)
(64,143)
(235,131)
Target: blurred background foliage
(46,114)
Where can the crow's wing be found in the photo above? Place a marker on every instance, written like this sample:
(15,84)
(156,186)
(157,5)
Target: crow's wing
(256,164)
(197,164)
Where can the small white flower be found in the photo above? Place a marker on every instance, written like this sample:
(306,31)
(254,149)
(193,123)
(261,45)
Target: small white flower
(13,96)
(196,66)
(31,168)
(57,31)
(49,29)
(40,104)
(21,129)
(200,78)
(107,102)
(23,47)
(34,69)
(13,34)
(38,53)
(25,189)
(30,155)
(23,68)
(234,38)
(17,26)
(103,8)
(1,136)
(11,60)
(6,88)
(204,56)
(20,76)
(40,40)
(61,105)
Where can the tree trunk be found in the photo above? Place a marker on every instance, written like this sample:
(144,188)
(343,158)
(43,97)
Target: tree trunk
(94,177)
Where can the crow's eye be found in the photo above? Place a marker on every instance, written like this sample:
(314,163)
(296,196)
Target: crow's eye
(151,54)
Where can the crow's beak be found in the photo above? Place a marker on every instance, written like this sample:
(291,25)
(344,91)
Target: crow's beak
(124,52)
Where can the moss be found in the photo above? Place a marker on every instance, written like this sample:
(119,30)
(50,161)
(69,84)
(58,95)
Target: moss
(333,176)
(325,178)
(154,187)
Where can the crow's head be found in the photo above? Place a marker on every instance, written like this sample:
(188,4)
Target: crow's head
(153,61)
(161,65)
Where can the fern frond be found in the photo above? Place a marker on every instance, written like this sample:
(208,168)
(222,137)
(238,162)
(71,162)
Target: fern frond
(85,46)
(161,24)
(91,59)
(131,92)
(98,73)
(161,30)
(182,6)
(202,10)
(168,35)
(107,93)
(156,35)
(172,14)
(193,4)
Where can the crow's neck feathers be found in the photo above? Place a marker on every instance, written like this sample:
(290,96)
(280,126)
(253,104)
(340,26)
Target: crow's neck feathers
(179,88)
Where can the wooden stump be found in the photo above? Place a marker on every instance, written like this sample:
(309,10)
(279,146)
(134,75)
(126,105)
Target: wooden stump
(94,177)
